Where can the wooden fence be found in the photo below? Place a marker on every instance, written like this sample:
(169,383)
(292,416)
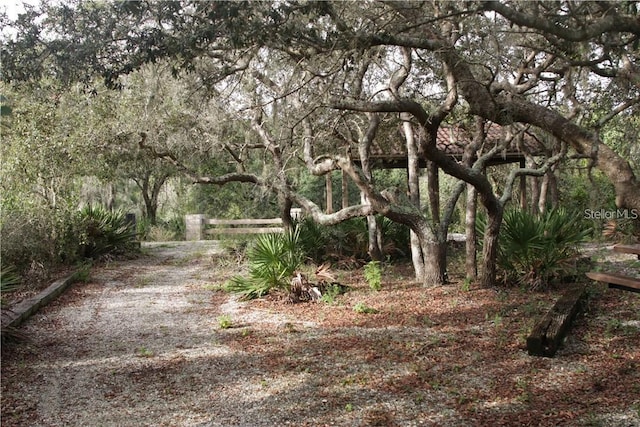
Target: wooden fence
(198,226)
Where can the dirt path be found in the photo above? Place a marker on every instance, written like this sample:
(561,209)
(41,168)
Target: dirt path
(137,345)
(140,344)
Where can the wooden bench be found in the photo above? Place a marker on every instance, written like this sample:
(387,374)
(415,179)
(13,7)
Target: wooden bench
(628,249)
(615,280)
(547,335)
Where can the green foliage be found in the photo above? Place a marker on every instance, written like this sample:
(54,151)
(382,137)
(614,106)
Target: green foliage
(396,238)
(272,261)
(225,321)
(103,232)
(83,273)
(373,275)
(9,281)
(349,239)
(362,308)
(331,292)
(314,239)
(36,236)
(534,250)
(583,193)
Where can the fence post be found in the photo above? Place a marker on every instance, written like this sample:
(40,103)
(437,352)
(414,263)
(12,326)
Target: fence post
(194,226)
(296,213)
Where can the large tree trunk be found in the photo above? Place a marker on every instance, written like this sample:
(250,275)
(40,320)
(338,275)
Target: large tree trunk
(435,252)
(150,203)
(490,246)
(435,263)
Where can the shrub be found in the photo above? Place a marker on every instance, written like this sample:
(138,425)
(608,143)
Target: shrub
(103,232)
(534,250)
(272,262)
(9,281)
(350,239)
(40,237)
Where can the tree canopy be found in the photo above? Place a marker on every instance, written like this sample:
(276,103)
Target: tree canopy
(312,83)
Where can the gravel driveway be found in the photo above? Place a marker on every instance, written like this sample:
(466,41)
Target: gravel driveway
(137,345)
(141,344)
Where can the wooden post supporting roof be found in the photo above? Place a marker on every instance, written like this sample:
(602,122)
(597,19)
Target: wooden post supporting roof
(329,191)
(345,190)
(523,188)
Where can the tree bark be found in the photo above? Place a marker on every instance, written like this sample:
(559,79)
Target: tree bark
(490,246)
(345,190)
(413,183)
(544,191)
(329,192)
(435,260)
(471,264)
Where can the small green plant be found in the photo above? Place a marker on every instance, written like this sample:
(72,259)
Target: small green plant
(373,275)
(362,308)
(331,293)
(524,387)
(83,273)
(466,284)
(348,407)
(143,281)
(225,321)
(144,352)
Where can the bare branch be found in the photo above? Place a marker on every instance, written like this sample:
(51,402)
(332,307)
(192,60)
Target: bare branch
(608,23)
(195,178)
(617,110)
(515,173)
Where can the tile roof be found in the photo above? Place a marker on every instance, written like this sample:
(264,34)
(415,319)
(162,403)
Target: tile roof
(452,140)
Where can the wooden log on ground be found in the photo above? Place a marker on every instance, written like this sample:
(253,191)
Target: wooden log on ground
(12,317)
(547,336)
(627,249)
(616,280)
